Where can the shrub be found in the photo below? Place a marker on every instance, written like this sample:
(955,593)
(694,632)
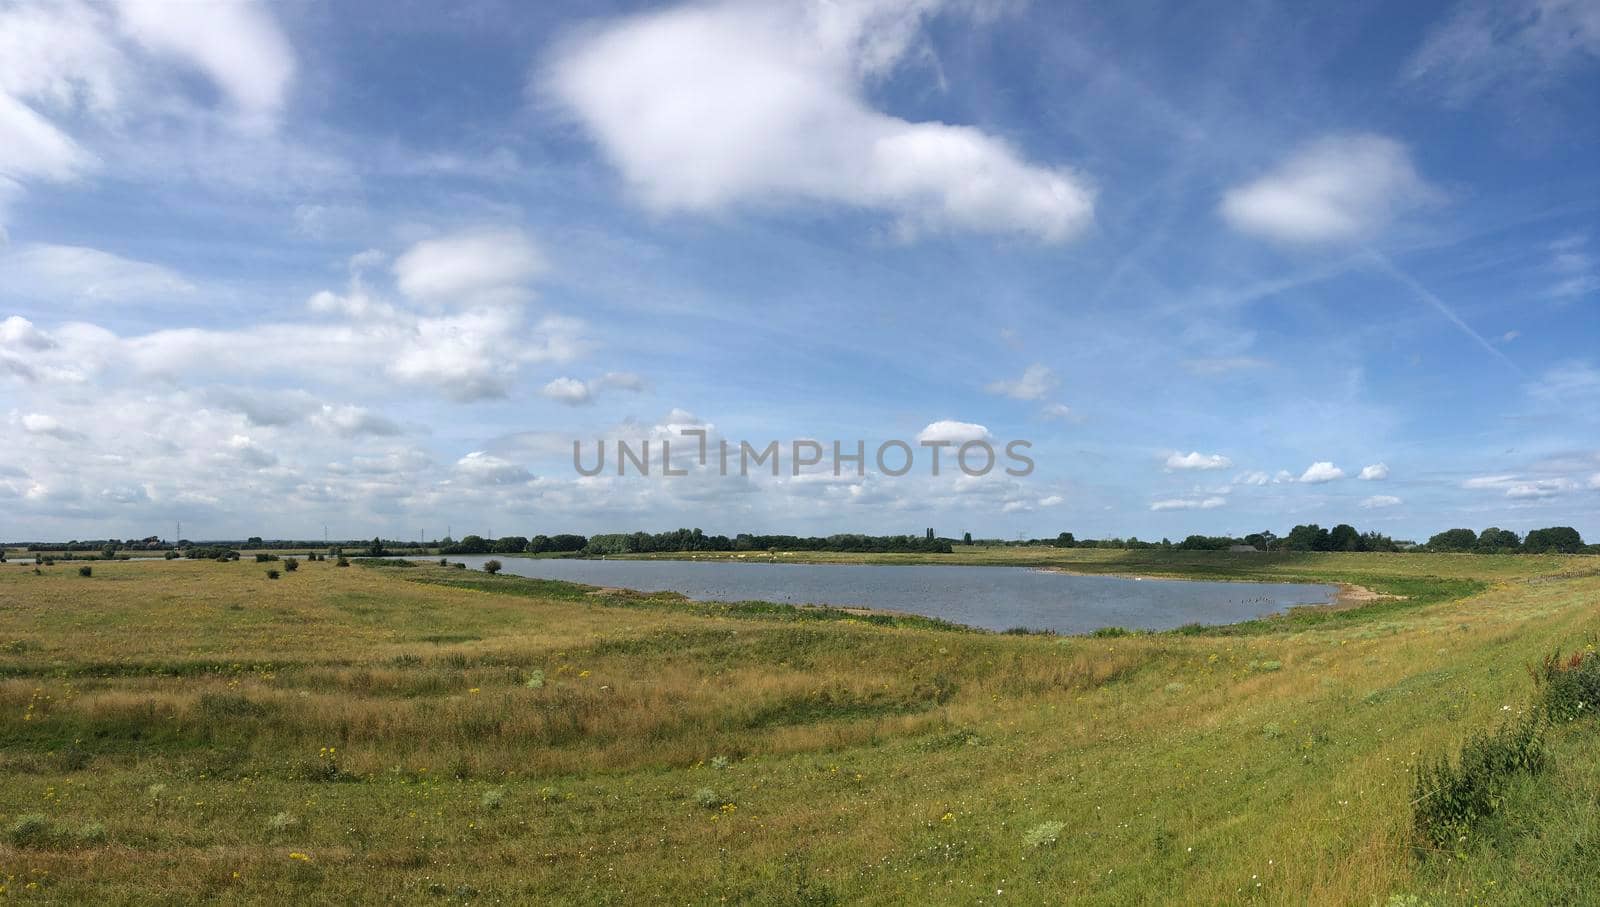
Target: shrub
(290,564)
(1449,798)
(535,680)
(444,562)
(494,798)
(30,828)
(264,558)
(492,566)
(1045,834)
(706,798)
(86,570)
(272,574)
(171,555)
(343,561)
(460,565)
(91,833)
(1569,686)
(283,822)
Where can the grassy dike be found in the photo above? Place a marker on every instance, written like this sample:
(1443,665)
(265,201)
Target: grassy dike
(171,731)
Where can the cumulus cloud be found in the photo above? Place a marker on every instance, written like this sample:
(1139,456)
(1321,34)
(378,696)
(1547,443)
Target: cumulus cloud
(1197,503)
(479,266)
(1377,472)
(237,45)
(1036,383)
(954,432)
(66,64)
(1379,501)
(1054,411)
(708,106)
(1320,472)
(486,469)
(1197,460)
(41,424)
(1338,188)
(573,392)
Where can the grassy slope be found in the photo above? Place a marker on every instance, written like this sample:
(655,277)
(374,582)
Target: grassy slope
(184,705)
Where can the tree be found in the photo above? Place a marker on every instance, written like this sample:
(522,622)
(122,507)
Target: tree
(492,566)
(1310,537)
(1344,538)
(966,538)
(1065,540)
(1495,540)
(377,549)
(1557,539)
(511,544)
(1454,540)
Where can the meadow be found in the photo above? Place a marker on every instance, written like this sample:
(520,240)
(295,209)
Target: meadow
(177,731)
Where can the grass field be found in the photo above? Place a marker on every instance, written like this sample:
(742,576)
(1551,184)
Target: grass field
(177,731)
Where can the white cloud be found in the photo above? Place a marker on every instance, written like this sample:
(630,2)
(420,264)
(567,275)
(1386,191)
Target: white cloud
(573,392)
(1197,460)
(480,468)
(567,390)
(353,421)
(704,107)
(1037,382)
(1208,503)
(78,272)
(41,424)
(1379,501)
(486,266)
(20,333)
(1507,45)
(1255,477)
(1055,411)
(1540,488)
(1377,472)
(954,432)
(1342,187)
(1051,501)
(237,45)
(1594,481)
(1320,472)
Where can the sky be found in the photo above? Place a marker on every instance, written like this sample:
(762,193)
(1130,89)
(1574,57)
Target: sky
(373,268)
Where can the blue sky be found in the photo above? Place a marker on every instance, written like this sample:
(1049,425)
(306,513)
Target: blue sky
(1227,267)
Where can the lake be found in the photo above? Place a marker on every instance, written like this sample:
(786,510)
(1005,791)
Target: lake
(992,598)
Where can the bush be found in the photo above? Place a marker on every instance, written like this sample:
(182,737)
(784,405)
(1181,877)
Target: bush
(171,555)
(1569,686)
(264,558)
(290,564)
(460,565)
(86,570)
(272,574)
(706,798)
(91,833)
(343,561)
(444,562)
(1045,834)
(492,566)
(1449,798)
(30,828)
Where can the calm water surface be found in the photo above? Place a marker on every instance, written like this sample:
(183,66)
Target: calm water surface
(994,598)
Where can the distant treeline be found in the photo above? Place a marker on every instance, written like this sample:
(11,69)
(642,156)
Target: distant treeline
(695,540)
(1308,537)
(1343,537)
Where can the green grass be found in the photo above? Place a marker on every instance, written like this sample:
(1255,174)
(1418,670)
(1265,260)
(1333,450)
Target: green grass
(176,731)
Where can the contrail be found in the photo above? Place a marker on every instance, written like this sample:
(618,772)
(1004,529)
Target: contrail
(1426,295)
